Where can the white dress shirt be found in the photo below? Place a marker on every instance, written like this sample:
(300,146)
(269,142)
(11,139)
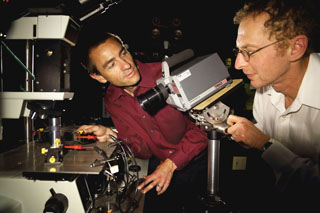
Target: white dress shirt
(295,131)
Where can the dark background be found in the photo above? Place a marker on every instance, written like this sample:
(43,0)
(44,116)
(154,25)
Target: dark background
(207,26)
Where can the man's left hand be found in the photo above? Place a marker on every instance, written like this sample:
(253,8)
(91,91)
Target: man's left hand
(160,178)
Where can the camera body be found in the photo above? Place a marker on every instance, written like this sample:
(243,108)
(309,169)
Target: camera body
(189,84)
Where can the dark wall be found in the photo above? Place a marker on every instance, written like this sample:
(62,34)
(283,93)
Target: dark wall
(206,26)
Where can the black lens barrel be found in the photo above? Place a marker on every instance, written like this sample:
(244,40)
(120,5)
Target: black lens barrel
(153,98)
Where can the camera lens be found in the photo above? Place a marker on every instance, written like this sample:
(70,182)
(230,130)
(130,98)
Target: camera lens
(153,98)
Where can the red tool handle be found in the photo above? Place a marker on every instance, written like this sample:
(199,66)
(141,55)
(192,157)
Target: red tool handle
(78,147)
(87,136)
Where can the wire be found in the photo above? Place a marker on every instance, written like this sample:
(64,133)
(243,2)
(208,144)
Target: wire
(126,195)
(19,61)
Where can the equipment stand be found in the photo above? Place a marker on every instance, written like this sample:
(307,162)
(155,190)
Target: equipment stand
(212,201)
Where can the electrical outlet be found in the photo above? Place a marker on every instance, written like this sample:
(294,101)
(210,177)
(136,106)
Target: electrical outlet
(239,163)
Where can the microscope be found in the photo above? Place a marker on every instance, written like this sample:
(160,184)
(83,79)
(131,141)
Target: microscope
(197,87)
(48,41)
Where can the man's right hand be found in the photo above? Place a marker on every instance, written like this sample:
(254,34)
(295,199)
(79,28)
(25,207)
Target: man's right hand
(101,132)
(243,130)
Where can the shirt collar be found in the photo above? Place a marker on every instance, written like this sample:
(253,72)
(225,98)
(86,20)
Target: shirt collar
(307,88)
(310,84)
(148,77)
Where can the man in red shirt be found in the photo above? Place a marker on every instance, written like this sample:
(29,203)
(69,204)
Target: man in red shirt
(175,146)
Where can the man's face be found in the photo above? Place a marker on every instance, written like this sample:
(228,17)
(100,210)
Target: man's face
(265,67)
(115,64)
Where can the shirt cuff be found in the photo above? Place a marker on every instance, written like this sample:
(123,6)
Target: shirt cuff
(278,156)
(180,159)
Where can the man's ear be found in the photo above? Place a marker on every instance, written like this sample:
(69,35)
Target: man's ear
(299,45)
(98,77)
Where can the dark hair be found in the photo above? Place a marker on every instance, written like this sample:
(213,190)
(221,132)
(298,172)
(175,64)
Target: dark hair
(92,42)
(288,18)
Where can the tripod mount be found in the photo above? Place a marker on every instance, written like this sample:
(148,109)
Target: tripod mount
(212,120)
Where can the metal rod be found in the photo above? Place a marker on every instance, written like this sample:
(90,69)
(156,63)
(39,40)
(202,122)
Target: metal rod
(54,131)
(213,162)
(28,122)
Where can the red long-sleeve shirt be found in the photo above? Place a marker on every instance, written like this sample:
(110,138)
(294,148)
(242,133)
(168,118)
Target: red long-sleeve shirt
(167,134)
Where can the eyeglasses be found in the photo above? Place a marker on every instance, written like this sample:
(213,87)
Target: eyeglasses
(246,54)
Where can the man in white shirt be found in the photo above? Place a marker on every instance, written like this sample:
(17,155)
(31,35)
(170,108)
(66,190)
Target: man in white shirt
(274,48)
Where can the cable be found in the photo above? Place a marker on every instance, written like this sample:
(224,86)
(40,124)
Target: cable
(19,61)
(126,179)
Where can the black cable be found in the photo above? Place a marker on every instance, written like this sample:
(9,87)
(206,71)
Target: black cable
(125,195)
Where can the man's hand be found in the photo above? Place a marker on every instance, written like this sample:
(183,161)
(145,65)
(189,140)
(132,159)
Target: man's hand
(160,178)
(243,130)
(101,132)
